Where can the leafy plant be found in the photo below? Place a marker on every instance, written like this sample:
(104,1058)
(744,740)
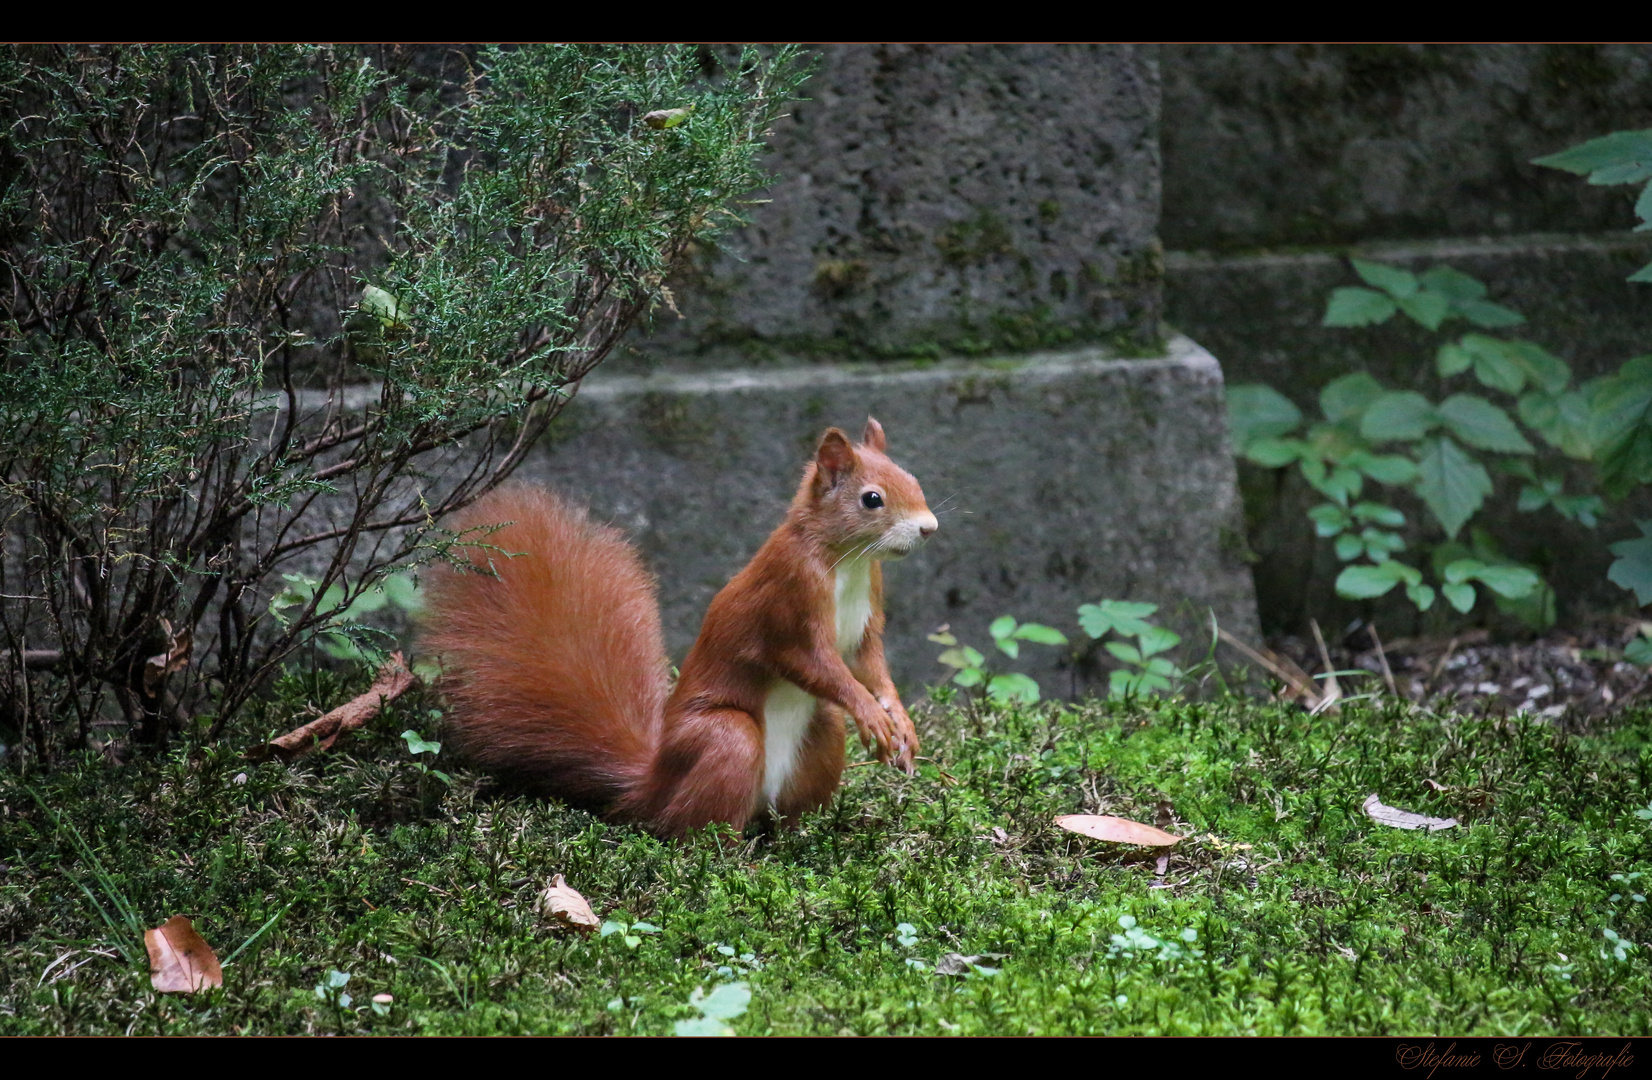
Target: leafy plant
(723,1004)
(1148,672)
(416,745)
(630,933)
(1623,157)
(1007,635)
(250,296)
(1435,450)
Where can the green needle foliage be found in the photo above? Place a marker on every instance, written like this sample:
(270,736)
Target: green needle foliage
(944,903)
(242,284)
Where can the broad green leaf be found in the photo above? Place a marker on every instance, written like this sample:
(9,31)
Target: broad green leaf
(1124,651)
(1629,172)
(1012,687)
(970,676)
(392,313)
(943,638)
(961,657)
(1461,570)
(1481,424)
(1494,363)
(1565,422)
(1346,398)
(1378,514)
(1583,509)
(1459,596)
(1156,639)
(1543,368)
(1618,148)
(1368,582)
(1452,359)
(723,1003)
(1643,205)
(1421,595)
(1427,309)
(1452,283)
(1274,453)
(1008,646)
(645,928)
(1341,484)
(1329,519)
(612,927)
(1386,468)
(700,1027)
(418,744)
(1123,616)
(1122,683)
(1487,314)
(1639,651)
(1349,547)
(1377,540)
(1512,582)
(1390,279)
(1259,412)
(1358,307)
(1644,274)
(1633,568)
(1040,634)
(1160,666)
(1399,414)
(1451,483)
(1002,627)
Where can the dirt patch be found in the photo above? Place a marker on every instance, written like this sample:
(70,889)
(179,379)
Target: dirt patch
(1578,675)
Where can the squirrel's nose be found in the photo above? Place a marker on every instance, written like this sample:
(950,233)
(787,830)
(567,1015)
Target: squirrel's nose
(927,527)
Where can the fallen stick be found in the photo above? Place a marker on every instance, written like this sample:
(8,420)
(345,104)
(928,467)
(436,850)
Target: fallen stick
(1382,658)
(394,680)
(1295,680)
(1332,693)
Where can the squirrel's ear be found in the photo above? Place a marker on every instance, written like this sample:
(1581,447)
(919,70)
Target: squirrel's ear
(874,435)
(834,459)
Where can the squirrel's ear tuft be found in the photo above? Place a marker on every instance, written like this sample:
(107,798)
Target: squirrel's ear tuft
(835,458)
(874,435)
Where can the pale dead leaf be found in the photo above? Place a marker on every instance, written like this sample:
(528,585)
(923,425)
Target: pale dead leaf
(1403,819)
(1161,866)
(1435,785)
(180,960)
(564,906)
(958,964)
(1116,829)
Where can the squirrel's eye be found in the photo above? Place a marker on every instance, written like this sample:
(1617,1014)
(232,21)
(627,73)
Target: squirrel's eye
(871,500)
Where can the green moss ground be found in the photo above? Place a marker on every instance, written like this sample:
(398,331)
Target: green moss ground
(1325,923)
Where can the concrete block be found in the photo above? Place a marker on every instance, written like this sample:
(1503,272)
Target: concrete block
(939,200)
(1059,479)
(1270,145)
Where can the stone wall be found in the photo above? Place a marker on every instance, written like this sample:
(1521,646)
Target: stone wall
(1279,161)
(940,200)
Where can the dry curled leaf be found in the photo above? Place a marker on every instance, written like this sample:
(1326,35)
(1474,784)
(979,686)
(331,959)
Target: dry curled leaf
(563,905)
(958,964)
(180,960)
(1404,819)
(174,659)
(666,118)
(1118,830)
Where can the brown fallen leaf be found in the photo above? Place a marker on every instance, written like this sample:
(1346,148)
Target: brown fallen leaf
(666,118)
(958,964)
(1404,819)
(563,905)
(1116,829)
(394,680)
(180,960)
(174,659)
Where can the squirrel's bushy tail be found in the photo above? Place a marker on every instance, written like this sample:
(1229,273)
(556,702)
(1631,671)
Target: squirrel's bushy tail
(555,668)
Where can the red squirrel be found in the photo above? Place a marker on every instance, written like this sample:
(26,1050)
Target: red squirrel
(556,672)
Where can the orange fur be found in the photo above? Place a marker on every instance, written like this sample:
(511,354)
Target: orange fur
(557,673)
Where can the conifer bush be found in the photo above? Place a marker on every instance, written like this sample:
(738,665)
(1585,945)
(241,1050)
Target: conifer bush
(252,299)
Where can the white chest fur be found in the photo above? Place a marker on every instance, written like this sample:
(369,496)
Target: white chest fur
(789,709)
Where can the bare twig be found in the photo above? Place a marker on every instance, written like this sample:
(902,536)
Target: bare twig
(1332,692)
(1382,658)
(1296,680)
